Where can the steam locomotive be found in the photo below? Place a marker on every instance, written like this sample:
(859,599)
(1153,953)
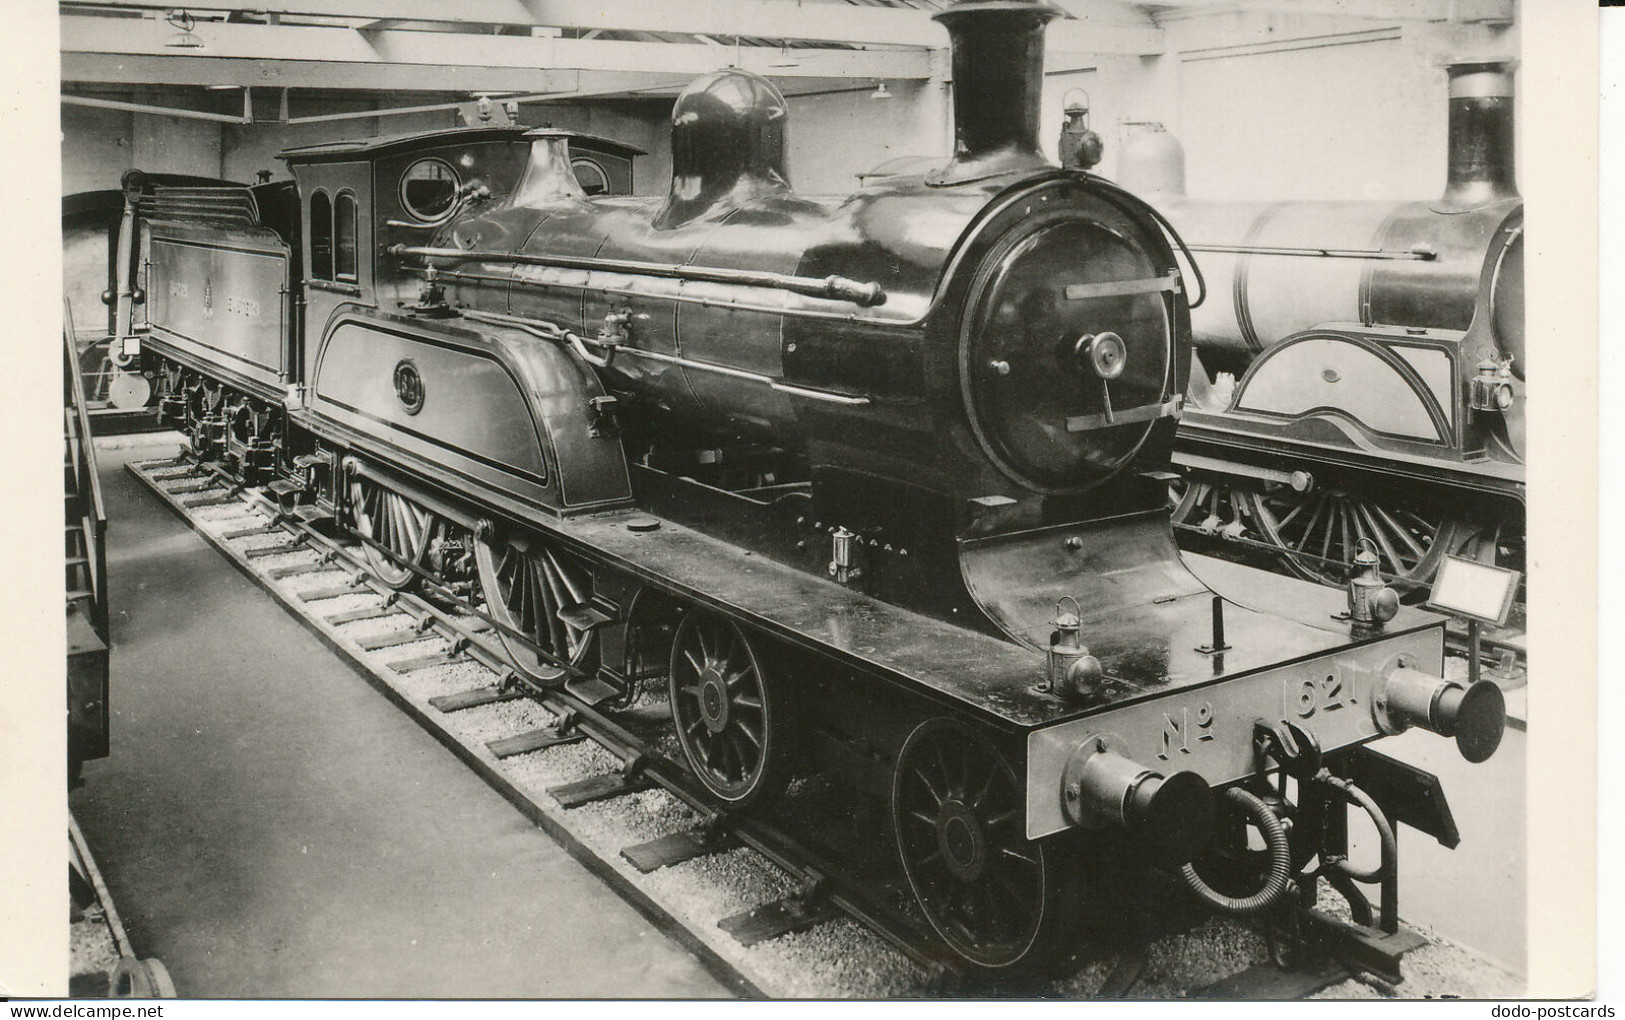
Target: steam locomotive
(872,485)
(1377,358)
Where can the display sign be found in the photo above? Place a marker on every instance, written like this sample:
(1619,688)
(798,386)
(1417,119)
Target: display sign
(1473,590)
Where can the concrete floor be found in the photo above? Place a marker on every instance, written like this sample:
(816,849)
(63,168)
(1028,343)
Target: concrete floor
(270,826)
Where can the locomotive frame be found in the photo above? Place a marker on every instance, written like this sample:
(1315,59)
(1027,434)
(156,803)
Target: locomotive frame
(779,456)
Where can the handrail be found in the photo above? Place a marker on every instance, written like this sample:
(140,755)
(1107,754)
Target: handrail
(83,415)
(94,524)
(835,288)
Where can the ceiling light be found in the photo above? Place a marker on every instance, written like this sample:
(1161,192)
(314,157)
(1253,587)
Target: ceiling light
(785,59)
(880,92)
(184,39)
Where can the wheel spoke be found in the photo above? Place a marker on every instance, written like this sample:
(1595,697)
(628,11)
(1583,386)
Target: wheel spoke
(1403,532)
(517,599)
(1309,529)
(576,597)
(942,765)
(987,787)
(930,787)
(552,602)
(1383,540)
(392,524)
(1013,854)
(1003,817)
(742,754)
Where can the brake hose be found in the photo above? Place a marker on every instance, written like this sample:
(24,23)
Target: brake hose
(1275,882)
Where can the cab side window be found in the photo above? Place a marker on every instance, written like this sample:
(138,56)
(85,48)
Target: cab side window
(345,225)
(321,237)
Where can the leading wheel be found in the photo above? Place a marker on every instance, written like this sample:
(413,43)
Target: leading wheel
(394,525)
(542,593)
(998,899)
(729,717)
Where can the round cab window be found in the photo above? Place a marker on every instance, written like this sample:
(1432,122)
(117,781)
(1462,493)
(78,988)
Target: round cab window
(591,176)
(429,189)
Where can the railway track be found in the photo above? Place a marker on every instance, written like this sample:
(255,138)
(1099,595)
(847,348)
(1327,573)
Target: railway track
(772,909)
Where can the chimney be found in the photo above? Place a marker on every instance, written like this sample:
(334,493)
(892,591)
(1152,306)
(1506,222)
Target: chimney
(998,72)
(1481,168)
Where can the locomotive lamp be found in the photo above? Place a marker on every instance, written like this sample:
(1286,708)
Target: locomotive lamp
(1079,147)
(1492,386)
(1371,602)
(1073,672)
(1170,816)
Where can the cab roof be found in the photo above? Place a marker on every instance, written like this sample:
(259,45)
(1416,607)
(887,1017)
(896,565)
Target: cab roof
(370,148)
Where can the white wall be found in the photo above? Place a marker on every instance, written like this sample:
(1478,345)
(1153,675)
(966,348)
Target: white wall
(1280,106)
(835,137)
(99,145)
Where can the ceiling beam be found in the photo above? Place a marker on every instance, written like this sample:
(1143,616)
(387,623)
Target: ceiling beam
(323,44)
(134,69)
(1458,11)
(1101,26)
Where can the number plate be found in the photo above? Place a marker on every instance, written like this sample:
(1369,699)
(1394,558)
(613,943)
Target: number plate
(1208,729)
